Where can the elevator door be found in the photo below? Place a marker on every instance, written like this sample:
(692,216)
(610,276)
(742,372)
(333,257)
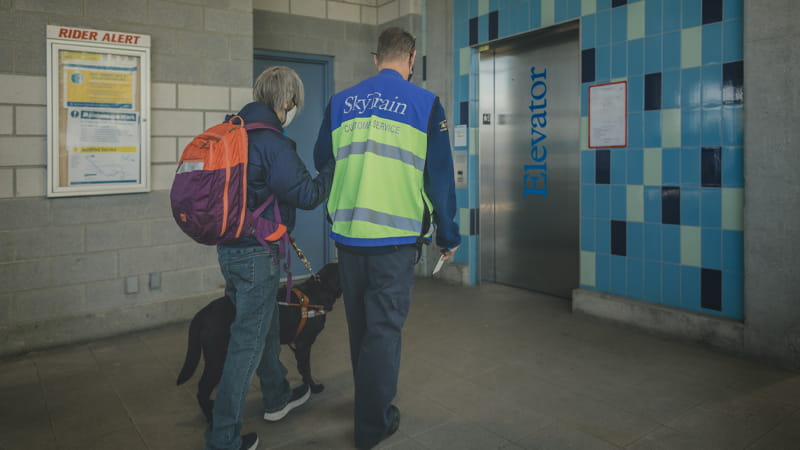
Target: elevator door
(529,161)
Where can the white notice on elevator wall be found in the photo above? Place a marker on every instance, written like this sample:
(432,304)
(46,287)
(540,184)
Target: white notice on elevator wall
(608,108)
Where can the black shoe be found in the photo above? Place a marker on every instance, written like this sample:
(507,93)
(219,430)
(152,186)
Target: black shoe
(249,441)
(394,424)
(300,395)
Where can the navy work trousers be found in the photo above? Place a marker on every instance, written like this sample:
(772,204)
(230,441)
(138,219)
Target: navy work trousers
(377,297)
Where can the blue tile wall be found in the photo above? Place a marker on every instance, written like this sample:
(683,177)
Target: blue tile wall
(684,68)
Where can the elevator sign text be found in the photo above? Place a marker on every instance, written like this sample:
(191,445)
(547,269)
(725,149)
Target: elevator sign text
(534,176)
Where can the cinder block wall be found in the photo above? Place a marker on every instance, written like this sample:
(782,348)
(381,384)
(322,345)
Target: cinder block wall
(65,263)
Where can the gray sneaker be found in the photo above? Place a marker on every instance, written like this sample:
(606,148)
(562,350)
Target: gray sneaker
(300,395)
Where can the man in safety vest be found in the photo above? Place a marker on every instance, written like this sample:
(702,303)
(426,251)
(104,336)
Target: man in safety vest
(393,178)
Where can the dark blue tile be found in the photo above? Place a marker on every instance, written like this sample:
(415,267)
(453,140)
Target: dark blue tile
(588,65)
(493,25)
(473,31)
(615,3)
(652,91)
(474,222)
(711,289)
(671,205)
(619,238)
(711,167)
(712,11)
(733,82)
(463,117)
(602,167)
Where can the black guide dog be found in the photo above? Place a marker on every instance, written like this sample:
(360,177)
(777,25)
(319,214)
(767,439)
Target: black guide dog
(301,321)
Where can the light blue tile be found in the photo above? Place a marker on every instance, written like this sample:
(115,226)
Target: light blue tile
(603,24)
(732,9)
(603,4)
(635,278)
(711,207)
(733,41)
(652,281)
(652,204)
(690,288)
(588,30)
(618,166)
(602,198)
(602,263)
(671,89)
(588,164)
(587,235)
(636,130)
(732,167)
(635,239)
(635,166)
(652,129)
(692,13)
(732,125)
(562,11)
(619,202)
(691,88)
(733,295)
(690,206)
(574,9)
(711,251)
(670,166)
(602,235)
(671,243)
(691,127)
(690,167)
(619,60)
(652,241)
(636,57)
(712,85)
(712,126)
(535,8)
(602,64)
(587,201)
(712,43)
(619,24)
(619,275)
(462,88)
(635,94)
(483,28)
(671,43)
(671,285)
(733,251)
(513,20)
(652,54)
(671,16)
(652,17)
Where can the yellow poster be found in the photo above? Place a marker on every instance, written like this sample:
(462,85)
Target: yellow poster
(99,80)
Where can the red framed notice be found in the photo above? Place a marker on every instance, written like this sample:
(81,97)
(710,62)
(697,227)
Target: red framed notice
(608,115)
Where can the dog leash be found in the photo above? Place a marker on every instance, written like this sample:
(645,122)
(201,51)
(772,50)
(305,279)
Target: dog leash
(303,258)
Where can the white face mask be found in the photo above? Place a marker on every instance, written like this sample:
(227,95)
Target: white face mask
(290,116)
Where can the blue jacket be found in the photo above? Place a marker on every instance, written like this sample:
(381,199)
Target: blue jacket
(275,167)
(438,174)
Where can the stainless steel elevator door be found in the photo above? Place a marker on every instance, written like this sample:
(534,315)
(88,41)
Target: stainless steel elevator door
(529,139)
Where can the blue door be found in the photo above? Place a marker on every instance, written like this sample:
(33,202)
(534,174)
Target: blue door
(311,230)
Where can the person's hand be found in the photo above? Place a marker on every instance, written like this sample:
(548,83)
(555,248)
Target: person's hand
(446,254)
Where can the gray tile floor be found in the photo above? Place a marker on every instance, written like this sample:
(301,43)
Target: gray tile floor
(487,367)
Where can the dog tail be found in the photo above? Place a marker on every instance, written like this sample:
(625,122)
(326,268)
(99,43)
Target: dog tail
(193,351)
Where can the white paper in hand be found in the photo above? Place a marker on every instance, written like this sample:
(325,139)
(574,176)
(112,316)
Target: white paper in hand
(439,265)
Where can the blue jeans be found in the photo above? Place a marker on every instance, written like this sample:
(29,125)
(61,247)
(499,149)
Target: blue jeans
(377,299)
(252,276)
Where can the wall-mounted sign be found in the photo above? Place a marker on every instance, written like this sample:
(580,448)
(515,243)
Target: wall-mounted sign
(98,103)
(608,115)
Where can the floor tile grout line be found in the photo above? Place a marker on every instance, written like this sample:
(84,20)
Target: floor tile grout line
(46,402)
(775,427)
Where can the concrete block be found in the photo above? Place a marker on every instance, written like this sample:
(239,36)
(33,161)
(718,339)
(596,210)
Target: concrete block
(44,304)
(31,120)
(24,213)
(31,182)
(15,24)
(369,15)
(175,15)
(161,176)
(229,22)
(214,118)
(213,279)
(174,123)
(6,57)
(239,98)
(203,97)
(240,49)
(388,12)
(409,7)
(30,58)
(25,275)
(192,255)
(163,96)
(47,242)
(113,236)
(281,6)
(329,30)
(344,11)
(676,323)
(148,259)
(6,119)
(166,232)
(23,151)
(183,142)
(57,7)
(134,11)
(85,267)
(197,44)
(5,308)
(164,149)
(110,208)
(7,246)
(311,8)
(6,183)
